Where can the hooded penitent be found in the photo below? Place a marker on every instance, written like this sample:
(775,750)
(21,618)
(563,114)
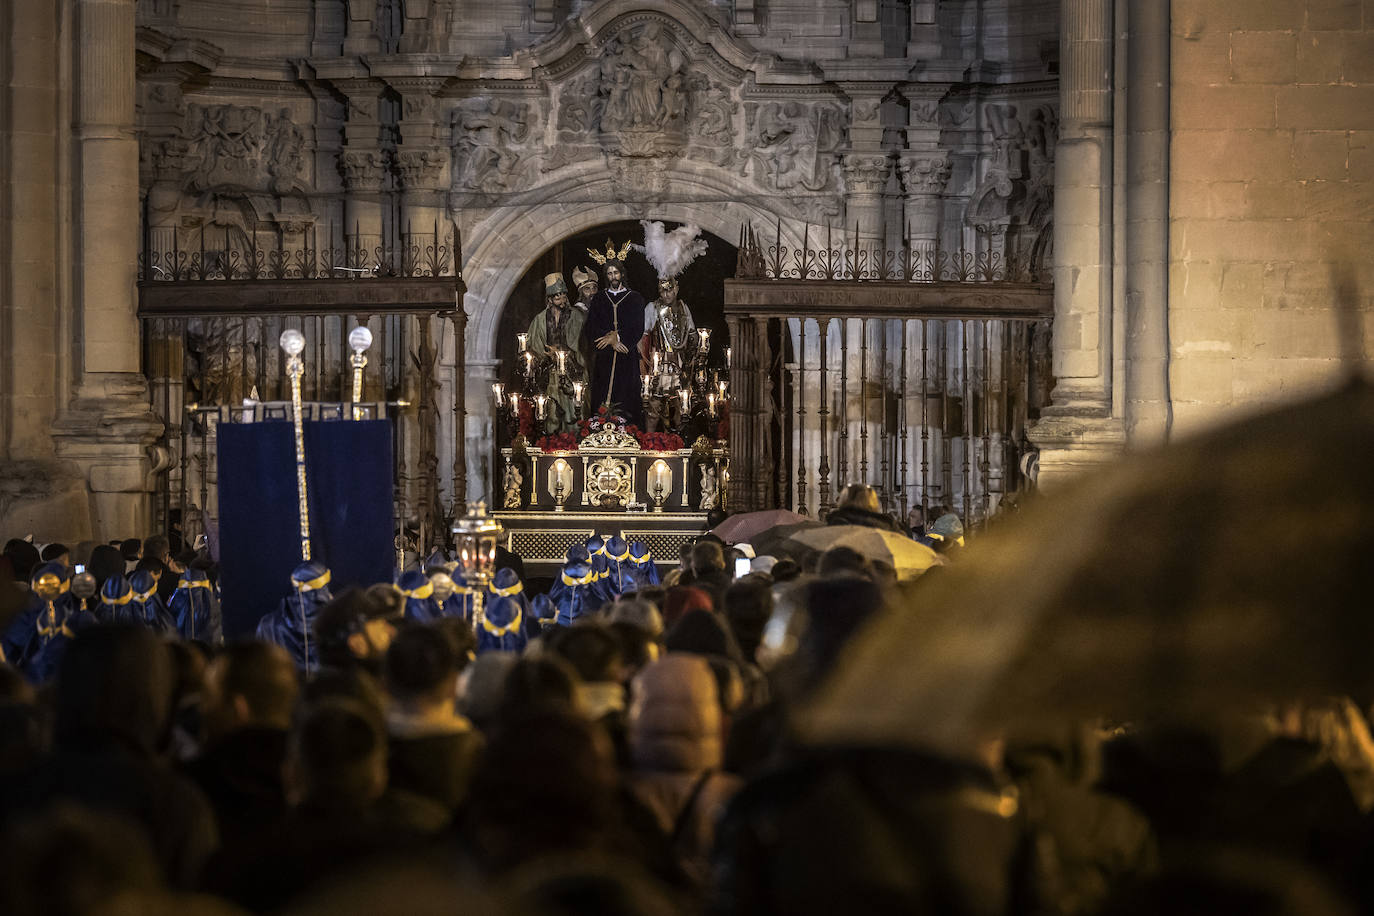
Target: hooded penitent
(504,615)
(147,607)
(195,607)
(51,584)
(642,566)
(292,624)
(620,572)
(117,600)
(421,605)
(575,590)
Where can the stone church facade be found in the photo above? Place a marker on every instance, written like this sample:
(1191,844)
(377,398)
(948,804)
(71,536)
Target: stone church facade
(1123,146)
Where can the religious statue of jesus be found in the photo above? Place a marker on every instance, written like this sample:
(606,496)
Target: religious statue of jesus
(615,324)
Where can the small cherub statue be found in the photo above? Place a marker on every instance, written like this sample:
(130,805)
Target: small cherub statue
(708,488)
(514,481)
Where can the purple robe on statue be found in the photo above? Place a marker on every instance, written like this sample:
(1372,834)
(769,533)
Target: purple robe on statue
(621,311)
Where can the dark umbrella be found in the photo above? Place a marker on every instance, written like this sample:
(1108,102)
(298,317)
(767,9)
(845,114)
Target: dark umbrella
(1224,571)
(746,525)
(779,542)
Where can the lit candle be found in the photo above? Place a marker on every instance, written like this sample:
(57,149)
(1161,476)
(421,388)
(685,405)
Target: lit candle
(656,358)
(727,356)
(577,392)
(721,386)
(529,363)
(499,391)
(539,401)
(514,402)
(686,396)
(647,380)
(711,403)
(659,468)
(562,356)
(705,336)
(522,341)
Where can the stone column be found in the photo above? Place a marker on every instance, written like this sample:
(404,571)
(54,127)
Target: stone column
(422,162)
(107,429)
(1147,404)
(1078,429)
(924,177)
(364,166)
(865,176)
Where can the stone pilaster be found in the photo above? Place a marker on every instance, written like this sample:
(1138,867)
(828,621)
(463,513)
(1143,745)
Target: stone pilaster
(421,159)
(107,429)
(1147,396)
(1079,429)
(363,163)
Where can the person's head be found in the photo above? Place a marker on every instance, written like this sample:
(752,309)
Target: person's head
(707,558)
(947,532)
(637,647)
(586,282)
(916,516)
(591,650)
(835,608)
(251,685)
(555,290)
(114,683)
(357,626)
(748,605)
(56,553)
(24,558)
(701,633)
(714,517)
(336,756)
(675,715)
(859,496)
(106,563)
(682,599)
(538,685)
(667,291)
(421,669)
(461,636)
(615,274)
(842,561)
(157,547)
(639,613)
(131,549)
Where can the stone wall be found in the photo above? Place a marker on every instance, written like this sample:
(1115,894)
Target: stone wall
(1272,191)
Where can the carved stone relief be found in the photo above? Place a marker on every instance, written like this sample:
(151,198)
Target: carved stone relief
(792,145)
(492,143)
(1013,204)
(236,147)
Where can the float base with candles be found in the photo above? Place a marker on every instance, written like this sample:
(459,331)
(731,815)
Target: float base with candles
(609,478)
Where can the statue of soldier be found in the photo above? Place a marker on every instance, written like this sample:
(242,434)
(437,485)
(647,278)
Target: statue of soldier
(558,328)
(587,286)
(666,355)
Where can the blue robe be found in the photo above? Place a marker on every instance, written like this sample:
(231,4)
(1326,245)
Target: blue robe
(575,593)
(503,624)
(421,605)
(543,616)
(622,312)
(52,636)
(644,571)
(292,626)
(195,608)
(147,607)
(15,641)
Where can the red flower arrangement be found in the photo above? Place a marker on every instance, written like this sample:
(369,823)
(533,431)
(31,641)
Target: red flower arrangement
(604,419)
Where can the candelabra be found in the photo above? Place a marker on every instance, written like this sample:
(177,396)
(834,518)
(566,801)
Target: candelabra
(293,343)
(662,477)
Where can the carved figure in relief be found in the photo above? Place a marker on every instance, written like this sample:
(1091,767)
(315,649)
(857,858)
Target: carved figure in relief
(487,136)
(789,143)
(642,81)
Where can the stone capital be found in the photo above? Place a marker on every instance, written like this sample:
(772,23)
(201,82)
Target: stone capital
(421,168)
(924,174)
(363,170)
(866,172)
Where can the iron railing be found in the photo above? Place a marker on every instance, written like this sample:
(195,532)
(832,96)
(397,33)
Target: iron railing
(915,371)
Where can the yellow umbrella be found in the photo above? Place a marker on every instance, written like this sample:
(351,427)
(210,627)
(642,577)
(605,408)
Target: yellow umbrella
(909,558)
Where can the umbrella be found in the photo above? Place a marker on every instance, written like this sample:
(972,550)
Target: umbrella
(904,555)
(779,542)
(744,526)
(1214,574)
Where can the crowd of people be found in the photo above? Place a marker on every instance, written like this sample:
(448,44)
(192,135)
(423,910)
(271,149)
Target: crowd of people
(620,743)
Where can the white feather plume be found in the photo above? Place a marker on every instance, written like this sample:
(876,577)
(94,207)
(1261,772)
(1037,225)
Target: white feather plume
(671,252)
